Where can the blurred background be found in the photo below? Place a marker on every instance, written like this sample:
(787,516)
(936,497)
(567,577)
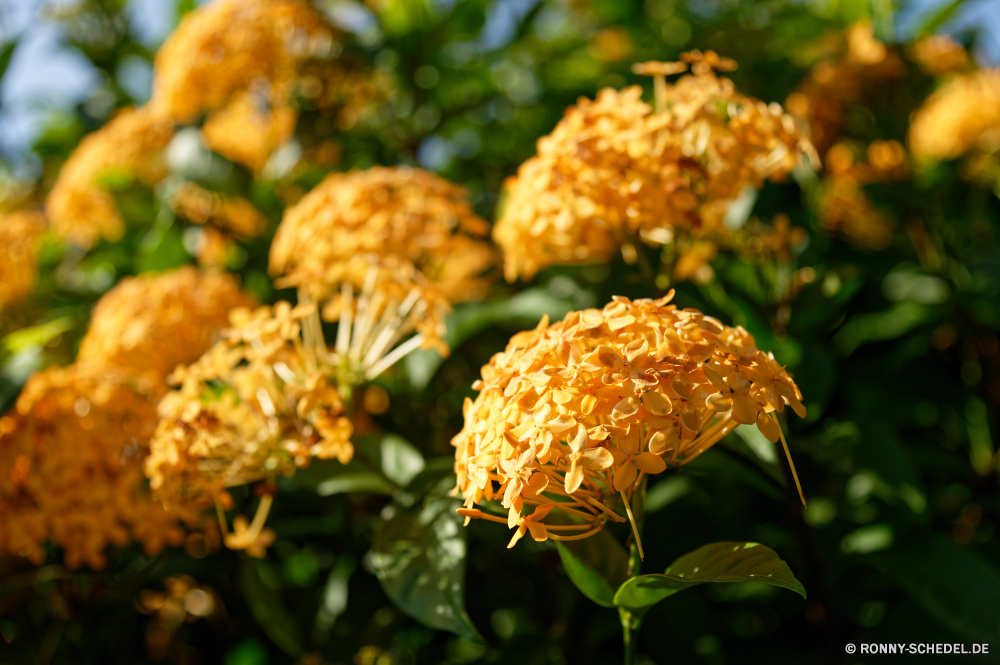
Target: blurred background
(887,313)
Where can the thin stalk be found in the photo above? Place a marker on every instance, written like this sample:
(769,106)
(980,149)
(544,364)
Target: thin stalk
(630,634)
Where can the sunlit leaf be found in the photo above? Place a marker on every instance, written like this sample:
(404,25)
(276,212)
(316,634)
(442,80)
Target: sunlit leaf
(717,562)
(419,557)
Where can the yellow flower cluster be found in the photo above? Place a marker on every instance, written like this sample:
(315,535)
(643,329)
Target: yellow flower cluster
(938,55)
(964,114)
(183,600)
(79,207)
(228,47)
(858,68)
(248,129)
(858,65)
(71,470)
(20,233)
(573,415)
(615,170)
(223,219)
(154,322)
(259,404)
(418,229)
(844,208)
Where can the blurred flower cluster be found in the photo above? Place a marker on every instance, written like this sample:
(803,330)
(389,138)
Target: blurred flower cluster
(234,67)
(414,229)
(573,415)
(616,170)
(20,234)
(71,471)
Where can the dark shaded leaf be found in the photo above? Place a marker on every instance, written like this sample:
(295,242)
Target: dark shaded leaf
(596,565)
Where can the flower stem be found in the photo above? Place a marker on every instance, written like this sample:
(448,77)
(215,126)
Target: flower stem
(630,630)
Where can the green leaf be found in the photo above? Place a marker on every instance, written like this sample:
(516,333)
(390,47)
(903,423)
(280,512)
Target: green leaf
(419,557)
(939,18)
(361,481)
(716,562)
(5,53)
(596,565)
(401,461)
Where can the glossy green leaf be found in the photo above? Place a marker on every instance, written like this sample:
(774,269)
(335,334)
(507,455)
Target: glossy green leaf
(401,461)
(419,557)
(596,565)
(716,562)
(361,481)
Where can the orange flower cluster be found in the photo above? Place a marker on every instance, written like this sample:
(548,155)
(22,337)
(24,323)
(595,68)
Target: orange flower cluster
(962,116)
(573,415)
(417,228)
(615,170)
(257,405)
(859,64)
(20,233)
(71,471)
(183,600)
(938,55)
(153,323)
(230,46)
(858,67)
(79,207)
(844,208)
(248,129)
(223,219)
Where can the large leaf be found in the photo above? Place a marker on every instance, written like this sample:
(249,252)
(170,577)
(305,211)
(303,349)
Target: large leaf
(419,557)
(596,565)
(716,562)
(356,481)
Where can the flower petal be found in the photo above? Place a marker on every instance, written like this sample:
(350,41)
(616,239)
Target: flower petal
(768,426)
(538,530)
(719,402)
(691,420)
(574,477)
(625,475)
(744,410)
(626,408)
(657,403)
(597,458)
(649,463)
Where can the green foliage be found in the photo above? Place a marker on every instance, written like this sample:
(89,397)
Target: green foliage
(418,554)
(717,562)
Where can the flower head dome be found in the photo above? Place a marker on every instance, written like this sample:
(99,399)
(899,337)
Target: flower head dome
(79,207)
(19,236)
(572,415)
(71,467)
(152,323)
(229,46)
(615,169)
(259,404)
(417,229)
